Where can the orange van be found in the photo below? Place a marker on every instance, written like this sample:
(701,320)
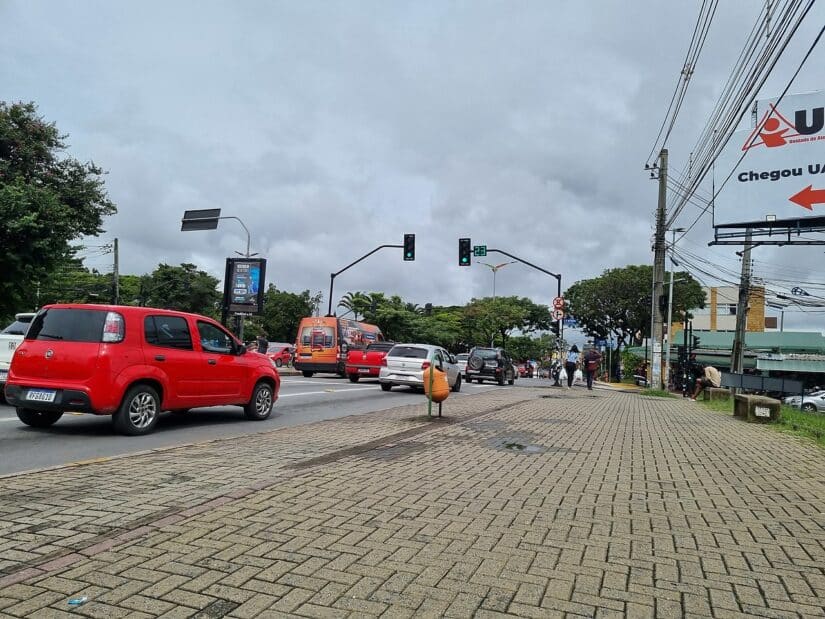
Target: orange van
(323,341)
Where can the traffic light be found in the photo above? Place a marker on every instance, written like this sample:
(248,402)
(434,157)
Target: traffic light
(554,328)
(695,341)
(409,247)
(464,252)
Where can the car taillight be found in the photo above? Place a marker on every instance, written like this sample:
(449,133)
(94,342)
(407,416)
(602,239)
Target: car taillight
(425,365)
(113,327)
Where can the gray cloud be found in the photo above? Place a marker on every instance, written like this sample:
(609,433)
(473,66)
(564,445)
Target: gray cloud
(330,128)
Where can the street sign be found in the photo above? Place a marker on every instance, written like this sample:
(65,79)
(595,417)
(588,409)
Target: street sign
(557,314)
(774,171)
(558,302)
(201,219)
(479,250)
(571,322)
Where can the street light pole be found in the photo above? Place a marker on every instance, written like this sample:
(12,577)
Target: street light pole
(494,269)
(670,306)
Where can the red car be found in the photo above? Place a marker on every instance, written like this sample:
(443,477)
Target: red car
(281,354)
(132,363)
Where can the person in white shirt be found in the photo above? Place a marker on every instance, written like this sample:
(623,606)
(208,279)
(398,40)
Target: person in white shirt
(710,378)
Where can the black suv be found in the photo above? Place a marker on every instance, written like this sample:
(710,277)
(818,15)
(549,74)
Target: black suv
(490,364)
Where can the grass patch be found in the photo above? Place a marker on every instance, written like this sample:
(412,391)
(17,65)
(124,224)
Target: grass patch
(657,393)
(791,420)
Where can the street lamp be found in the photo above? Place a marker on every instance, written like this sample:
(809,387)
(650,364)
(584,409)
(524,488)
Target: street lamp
(494,269)
(670,305)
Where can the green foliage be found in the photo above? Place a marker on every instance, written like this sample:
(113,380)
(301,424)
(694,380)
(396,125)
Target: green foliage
(181,288)
(618,302)
(657,393)
(283,311)
(46,201)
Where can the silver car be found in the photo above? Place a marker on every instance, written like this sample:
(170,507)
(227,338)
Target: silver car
(461,361)
(812,402)
(405,365)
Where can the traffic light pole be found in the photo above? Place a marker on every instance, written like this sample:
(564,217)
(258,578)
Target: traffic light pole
(538,268)
(332,276)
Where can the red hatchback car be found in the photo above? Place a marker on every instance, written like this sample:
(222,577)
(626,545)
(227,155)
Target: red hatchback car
(132,363)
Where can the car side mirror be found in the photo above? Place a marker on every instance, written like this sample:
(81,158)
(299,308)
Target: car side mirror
(240,349)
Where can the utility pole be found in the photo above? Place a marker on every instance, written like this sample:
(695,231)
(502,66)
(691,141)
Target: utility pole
(670,305)
(737,357)
(115,278)
(659,274)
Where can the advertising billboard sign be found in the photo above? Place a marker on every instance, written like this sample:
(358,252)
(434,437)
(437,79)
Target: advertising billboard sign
(243,285)
(778,166)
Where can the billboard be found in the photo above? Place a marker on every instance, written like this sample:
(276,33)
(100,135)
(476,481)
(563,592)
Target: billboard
(778,166)
(243,285)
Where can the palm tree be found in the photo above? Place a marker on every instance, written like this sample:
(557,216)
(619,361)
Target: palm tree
(355,302)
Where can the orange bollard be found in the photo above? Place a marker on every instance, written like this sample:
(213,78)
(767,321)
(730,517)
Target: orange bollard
(440,387)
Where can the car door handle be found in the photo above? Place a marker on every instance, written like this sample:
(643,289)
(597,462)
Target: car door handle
(212,362)
(160,358)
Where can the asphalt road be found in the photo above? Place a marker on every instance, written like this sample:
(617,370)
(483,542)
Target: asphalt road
(79,438)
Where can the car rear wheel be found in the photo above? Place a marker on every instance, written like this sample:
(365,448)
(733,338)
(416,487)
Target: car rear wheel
(469,379)
(278,363)
(386,386)
(260,405)
(139,411)
(457,387)
(307,374)
(501,378)
(809,408)
(354,378)
(38,419)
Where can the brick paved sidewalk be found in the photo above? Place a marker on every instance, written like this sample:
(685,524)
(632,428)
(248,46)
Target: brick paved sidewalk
(532,502)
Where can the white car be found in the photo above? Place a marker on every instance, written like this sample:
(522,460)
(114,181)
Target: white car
(10,337)
(811,402)
(405,365)
(461,361)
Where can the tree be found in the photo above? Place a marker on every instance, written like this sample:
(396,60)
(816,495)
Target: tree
(284,310)
(488,317)
(618,302)
(46,201)
(181,288)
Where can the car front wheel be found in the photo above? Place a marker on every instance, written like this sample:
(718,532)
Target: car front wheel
(38,419)
(139,411)
(278,363)
(307,374)
(457,387)
(354,378)
(386,386)
(808,407)
(260,405)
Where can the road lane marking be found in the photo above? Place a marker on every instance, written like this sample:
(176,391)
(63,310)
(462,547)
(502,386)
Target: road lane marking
(289,395)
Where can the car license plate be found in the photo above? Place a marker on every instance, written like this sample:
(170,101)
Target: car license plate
(364,370)
(41,395)
(4,374)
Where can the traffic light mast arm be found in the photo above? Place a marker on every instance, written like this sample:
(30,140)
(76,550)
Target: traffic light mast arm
(538,268)
(332,276)
(530,264)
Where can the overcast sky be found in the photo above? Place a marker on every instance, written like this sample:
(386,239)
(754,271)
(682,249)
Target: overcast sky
(330,128)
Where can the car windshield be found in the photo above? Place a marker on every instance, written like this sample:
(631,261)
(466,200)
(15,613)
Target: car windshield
(411,352)
(486,353)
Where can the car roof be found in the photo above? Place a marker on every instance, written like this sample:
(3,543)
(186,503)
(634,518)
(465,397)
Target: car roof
(124,309)
(427,346)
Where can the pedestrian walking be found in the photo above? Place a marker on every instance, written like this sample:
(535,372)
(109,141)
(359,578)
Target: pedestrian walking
(592,359)
(571,363)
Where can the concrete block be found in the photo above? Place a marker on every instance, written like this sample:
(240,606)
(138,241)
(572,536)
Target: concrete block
(756,408)
(716,393)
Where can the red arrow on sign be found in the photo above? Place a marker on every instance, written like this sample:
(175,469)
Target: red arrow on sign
(808,197)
